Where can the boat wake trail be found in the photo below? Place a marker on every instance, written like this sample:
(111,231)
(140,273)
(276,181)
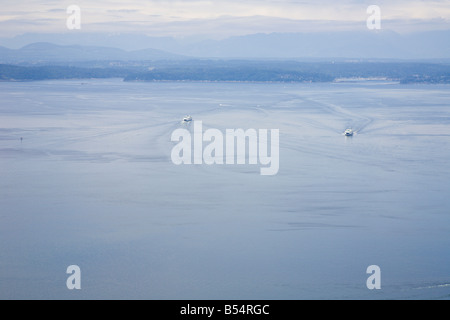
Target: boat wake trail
(354,121)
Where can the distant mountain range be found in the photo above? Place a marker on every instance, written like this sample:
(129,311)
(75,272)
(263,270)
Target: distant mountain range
(287,57)
(362,44)
(46,53)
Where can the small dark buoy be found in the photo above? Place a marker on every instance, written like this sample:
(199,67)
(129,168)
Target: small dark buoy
(21,139)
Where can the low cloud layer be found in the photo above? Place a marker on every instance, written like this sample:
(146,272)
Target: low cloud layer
(220,18)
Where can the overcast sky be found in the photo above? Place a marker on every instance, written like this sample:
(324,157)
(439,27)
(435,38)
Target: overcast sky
(219,18)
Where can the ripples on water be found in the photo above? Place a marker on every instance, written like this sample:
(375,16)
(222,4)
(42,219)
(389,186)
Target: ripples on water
(92,184)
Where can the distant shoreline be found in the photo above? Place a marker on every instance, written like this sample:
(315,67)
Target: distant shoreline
(237,72)
(391,82)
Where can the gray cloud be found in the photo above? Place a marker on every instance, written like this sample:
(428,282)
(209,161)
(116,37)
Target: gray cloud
(219,17)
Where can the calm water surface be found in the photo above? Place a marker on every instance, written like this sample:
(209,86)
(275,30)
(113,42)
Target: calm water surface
(92,184)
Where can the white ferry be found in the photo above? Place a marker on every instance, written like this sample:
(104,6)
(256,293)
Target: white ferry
(187,119)
(348,132)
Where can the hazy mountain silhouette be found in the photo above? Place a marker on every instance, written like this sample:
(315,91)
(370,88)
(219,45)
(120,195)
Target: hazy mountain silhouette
(366,44)
(48,52)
